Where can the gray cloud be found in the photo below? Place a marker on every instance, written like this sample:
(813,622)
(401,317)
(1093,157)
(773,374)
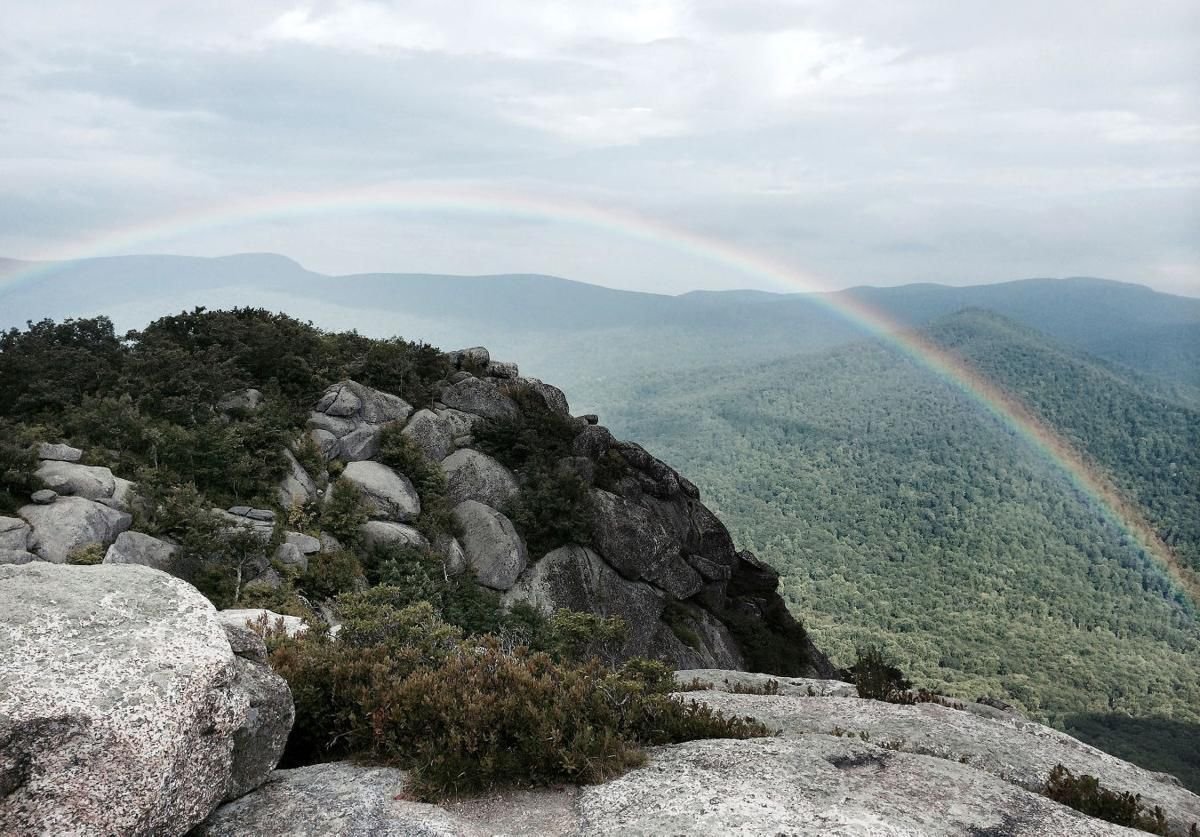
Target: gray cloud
(861,143)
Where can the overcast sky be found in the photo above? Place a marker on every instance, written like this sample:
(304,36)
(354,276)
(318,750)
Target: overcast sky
(873,142)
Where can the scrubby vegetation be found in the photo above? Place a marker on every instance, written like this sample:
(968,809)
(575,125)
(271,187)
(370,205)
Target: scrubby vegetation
(404,687)
(1086,794)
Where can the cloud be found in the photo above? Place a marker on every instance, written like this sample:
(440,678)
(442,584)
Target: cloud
(865,142)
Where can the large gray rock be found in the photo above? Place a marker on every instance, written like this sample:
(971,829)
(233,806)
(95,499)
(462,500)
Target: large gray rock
(60,452)
(430,433)
(1010,749)
(576,578)
(119,702)
(290,555)
(259,741)
(69,478)
(818,786)
(471,475)
(305,543)
(137,548)
(242,400)
(492,546)
(458,422)
(16,556)
(383,533)
(555,400)
(388,495)
(349,417)
(724,680)
(14,534)
(480,398)
(343,799)
(70,523)
(257,617)
(297,487)
(631,538)
(475,356)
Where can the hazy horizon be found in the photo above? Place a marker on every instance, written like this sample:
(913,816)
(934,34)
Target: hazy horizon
(865,145)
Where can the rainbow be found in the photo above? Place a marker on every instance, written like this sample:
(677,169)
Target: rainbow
(1086,477)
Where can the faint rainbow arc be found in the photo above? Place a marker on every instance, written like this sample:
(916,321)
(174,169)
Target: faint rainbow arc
(1090,480)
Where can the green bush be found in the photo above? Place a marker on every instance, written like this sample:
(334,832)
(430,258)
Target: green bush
(399,687)
(330,574)
(538,435)
(17,464)
(399,452)
(344,512)
(1086,794)
(877,679)
(553,509)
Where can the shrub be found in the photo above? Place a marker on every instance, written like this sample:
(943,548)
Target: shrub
(536,435)
(553,509)
(398,687)
(876,679)
(17,464)
(1086,794)
(344,512)
(330,574)
(92,553)
(679,620)
(399,452)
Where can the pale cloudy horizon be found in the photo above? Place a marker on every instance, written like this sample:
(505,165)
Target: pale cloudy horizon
(878,144)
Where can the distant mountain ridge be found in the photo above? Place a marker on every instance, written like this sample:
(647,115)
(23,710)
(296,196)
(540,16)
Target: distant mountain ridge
(571,331)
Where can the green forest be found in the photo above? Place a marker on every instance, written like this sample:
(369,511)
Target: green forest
(902,513)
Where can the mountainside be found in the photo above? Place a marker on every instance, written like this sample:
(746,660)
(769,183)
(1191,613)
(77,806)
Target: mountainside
(900,512)
(581,335)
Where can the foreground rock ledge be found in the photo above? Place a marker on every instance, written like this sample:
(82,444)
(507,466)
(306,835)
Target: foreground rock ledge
(821,785)
(121,703)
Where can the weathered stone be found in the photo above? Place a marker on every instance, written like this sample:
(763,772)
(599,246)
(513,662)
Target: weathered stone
(385,533)
(339,798)
(460,375)
(458,422)
(430,433)
(629,536)
(14,533)
(576,578)
(471,475)
(350,399)
(335,426)
(477,357)
(137,548)
(290,555)
(297,487)
(267,581)
(305,543)
(118,703)
(501,369)
(480,398)
(454,560)
(328,542)
(1012,749)
(70,523)
(255,617)
(261,529)
(124,493)
(16,556)
(591,418)
(72,479)
(724,680)
(593,442)
(673,575)
(242,400)
(360,444)
(389,495)
(258,743)
(818,786)
(59,452)
(326,443)
(44,496)
(555,400)
(493,548)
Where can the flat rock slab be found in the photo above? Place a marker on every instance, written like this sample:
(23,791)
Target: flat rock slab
(819,785)
(724,680)
(341,799)
(88,481)
(1016,751)
(117,706)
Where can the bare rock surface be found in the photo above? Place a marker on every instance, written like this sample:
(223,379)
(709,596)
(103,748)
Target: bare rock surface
(297,487)
(70,523)
(820,785)
(492,546)
(249,616)
(430,433)
(1013,750)
(348,418)
(724,680)
(385,533)
(337,798)
(389,495)
(471,475)
(480,398)
(70,478)
(118,702)
(59,452)
(14,534)
(138,548)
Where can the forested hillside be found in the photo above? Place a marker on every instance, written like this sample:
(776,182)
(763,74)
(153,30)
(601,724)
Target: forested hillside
(902,513)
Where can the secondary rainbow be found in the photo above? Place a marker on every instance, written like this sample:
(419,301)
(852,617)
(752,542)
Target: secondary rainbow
(1087,478)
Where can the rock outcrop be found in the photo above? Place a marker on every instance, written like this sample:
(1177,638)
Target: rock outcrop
(388,494)
(123,709)
(491,545)
(471,475)
(138,548)
(69,524)
(348,418)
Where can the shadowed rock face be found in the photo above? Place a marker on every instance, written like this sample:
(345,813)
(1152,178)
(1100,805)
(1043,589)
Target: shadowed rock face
(123,709)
